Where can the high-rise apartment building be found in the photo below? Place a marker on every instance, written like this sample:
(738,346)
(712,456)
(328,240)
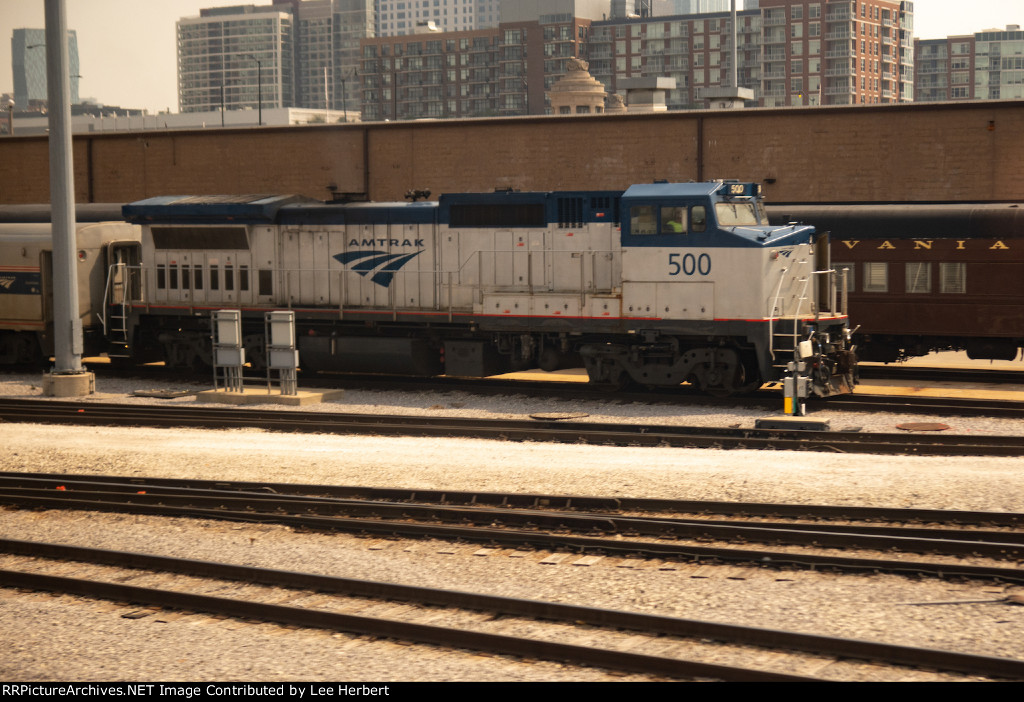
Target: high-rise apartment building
(999,64)
(239,57)
(327,38)
(506,70)
(537,40)
(695,50)
(789,52)
(437,74)
(401,17)
(28,60)
(987,65)
(480,73)
(944,69)
(867,50)
(293,53)
(846,52)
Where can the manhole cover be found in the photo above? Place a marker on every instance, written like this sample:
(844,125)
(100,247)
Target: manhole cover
(555,416)
(923,426)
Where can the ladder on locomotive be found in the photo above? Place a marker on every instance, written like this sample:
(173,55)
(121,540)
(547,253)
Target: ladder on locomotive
(784,330)
(115,306)
(784,339)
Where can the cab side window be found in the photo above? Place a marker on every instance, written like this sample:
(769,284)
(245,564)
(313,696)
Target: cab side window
(642,220)
(673,220)
(698,218)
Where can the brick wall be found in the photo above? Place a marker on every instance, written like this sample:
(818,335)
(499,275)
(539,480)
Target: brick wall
(963,151)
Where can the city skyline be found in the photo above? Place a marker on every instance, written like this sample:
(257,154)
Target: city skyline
(115,36)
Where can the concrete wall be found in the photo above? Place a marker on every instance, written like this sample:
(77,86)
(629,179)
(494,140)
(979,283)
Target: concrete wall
(952,151)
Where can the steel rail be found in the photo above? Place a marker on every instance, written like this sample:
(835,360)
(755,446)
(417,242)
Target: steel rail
(542,540)
(668,626)
(935,543)
(533,500)
(941,406)
(517,430)
(932,373)
(529,510)
(389,628)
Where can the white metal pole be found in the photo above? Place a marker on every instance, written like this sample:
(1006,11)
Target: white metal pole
(67,324)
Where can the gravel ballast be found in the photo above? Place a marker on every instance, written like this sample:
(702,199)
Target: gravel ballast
(92,642)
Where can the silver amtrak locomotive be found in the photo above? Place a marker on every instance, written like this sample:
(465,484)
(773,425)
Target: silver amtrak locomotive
(660,284)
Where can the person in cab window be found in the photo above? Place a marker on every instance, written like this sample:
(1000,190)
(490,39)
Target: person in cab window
(672,220)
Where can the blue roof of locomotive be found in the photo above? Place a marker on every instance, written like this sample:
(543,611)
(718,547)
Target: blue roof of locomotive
(242,209)
(464,210)
(291,209)
(359,213)
(670,190)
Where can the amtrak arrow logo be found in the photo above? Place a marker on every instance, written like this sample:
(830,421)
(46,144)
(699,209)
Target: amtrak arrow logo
(383,263)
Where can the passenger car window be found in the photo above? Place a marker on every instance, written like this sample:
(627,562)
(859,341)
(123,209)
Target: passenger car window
(953,277)
(919,277)
(876,277)
(850,275)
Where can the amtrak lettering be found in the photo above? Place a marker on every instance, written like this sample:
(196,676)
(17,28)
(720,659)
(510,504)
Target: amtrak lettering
(386,242)
(926,244)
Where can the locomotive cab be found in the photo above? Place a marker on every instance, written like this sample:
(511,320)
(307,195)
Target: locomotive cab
(720,297)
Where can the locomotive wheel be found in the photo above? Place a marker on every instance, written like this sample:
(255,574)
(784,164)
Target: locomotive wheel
(617,382)
(625,382)
(724,384)
(614,379)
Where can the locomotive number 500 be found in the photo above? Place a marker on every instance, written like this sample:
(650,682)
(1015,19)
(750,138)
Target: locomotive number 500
(690,264)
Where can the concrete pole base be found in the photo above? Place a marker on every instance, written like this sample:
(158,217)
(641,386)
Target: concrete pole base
(69,384)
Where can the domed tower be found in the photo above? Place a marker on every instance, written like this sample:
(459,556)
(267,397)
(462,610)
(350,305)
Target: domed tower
(577,92)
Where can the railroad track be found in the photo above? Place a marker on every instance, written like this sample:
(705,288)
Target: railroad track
(104,414)
(939,406)
(944,549)
(665,647)
(767,398)
(956,375)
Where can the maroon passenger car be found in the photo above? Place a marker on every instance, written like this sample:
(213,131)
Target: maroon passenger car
(927,277)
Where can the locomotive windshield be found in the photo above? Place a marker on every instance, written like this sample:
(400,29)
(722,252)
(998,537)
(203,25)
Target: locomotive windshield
(740,214)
